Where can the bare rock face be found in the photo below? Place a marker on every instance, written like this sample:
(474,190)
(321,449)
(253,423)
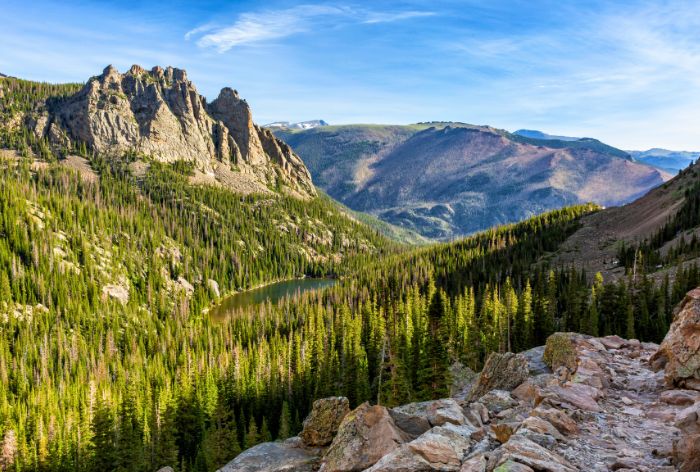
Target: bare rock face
(322,423)
(440,448)
(285,456)
(679,352)
(159,113)
(501,371)
(366,434)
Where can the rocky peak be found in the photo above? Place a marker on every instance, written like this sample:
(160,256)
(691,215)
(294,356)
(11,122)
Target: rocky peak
(159,113)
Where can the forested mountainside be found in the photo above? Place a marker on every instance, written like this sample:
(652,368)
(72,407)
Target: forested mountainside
(444,180)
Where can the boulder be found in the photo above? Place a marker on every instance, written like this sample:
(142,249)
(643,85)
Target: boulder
(560,350)
(510,466)
(365,435)
(526,392)
(503,431)
(441,448)
(322,423)
(571,397)
(686,450)
(478,463)
(417,418)
(275,457)
(521,450)
(560,420)
(501,371)
(497,401)
(680,397)
(680,350)
(613,342)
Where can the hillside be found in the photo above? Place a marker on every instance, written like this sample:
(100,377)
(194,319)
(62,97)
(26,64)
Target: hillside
(449,179)
(663,223)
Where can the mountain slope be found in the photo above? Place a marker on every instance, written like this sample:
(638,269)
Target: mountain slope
(445,180)
(597,245)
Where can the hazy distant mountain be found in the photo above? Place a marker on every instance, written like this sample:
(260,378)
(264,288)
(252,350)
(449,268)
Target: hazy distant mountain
(2,75)
(670,161)
(531,133)
(449,179)
(299,125)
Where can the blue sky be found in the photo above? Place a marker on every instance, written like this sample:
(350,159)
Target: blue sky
(626,72)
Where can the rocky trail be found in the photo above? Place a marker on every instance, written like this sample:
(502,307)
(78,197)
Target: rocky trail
(578,404)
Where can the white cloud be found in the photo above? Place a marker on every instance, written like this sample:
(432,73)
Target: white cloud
(254,27)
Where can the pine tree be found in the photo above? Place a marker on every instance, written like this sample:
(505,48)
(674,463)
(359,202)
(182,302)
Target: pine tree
(434,375)
(104,447)
(285,429)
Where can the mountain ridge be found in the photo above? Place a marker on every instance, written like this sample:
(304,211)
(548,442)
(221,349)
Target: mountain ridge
(450,179)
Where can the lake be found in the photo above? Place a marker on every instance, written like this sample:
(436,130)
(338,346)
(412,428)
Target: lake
(272,292)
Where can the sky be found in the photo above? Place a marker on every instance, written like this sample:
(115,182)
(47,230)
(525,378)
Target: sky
(625,72)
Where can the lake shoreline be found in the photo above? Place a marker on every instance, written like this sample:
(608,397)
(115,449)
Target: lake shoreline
(315,282)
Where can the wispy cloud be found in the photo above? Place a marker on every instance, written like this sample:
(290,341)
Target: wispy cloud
(388,17)
(256,27)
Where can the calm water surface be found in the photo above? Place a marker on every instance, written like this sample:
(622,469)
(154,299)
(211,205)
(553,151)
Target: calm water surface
(273,292)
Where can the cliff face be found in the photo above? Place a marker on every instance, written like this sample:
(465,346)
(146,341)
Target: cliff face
(160,113)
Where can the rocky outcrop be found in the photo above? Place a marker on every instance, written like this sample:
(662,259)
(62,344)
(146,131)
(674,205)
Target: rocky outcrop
(366,434)
(159,113)
(501,371)
(679,353)
(321,426)
(602,408)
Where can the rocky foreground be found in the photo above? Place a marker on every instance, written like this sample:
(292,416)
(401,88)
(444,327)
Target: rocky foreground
(581,403)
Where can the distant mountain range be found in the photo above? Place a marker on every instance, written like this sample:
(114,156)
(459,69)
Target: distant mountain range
(531,133)
(298,125)
(670,161)
(445,180)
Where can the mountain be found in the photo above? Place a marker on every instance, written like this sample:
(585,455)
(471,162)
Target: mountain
(531,133)
(444,180)
(669,161)
(160,114)
(286,125)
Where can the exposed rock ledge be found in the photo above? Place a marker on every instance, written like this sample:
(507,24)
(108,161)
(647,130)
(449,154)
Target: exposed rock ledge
(603,407)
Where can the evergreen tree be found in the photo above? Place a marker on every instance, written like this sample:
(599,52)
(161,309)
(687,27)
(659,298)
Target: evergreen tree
(434,375)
